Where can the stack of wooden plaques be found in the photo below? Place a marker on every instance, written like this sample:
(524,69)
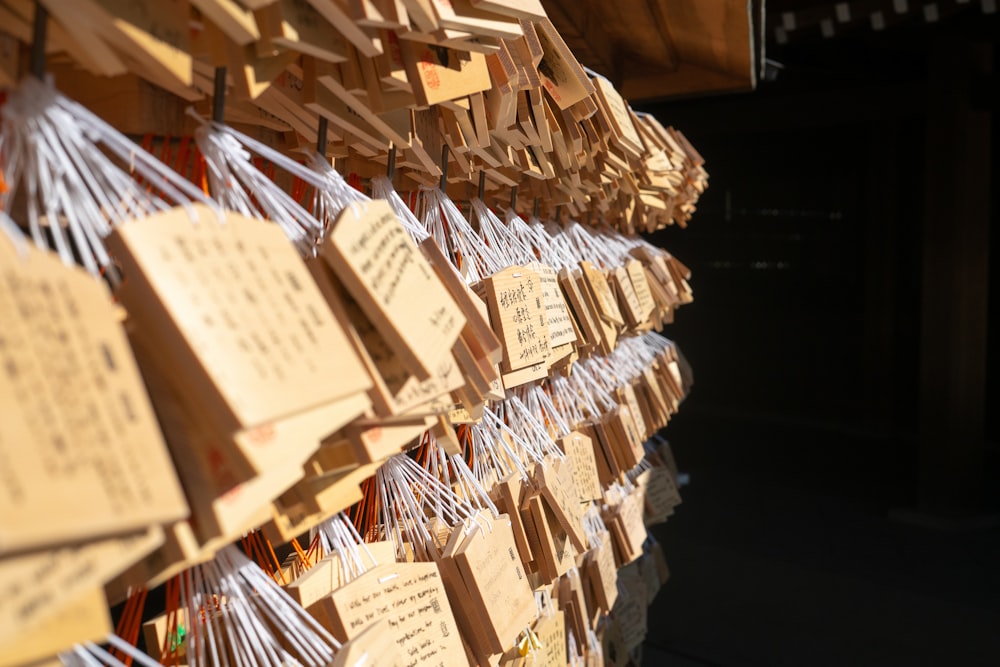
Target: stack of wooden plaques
(492,81)
(186,369)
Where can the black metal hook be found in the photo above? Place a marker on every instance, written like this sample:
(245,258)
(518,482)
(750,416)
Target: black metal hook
(321,131)
(444,167)
(219,95)
(38,38)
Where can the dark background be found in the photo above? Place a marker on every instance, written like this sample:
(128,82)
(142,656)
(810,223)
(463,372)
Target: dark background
(842,435)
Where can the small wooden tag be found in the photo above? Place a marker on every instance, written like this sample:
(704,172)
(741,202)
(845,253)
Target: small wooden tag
(379,264)
(561,331)
(411,598)
(579,450)
(514,298)
(81,452)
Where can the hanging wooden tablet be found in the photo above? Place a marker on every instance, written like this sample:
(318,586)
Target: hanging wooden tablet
(463,15)
(623,131)
(551,546)
(603,295)
(482,341)
(81,453)
(631,607)
(83,619)
(155,36)
(601,572)
(227,491)
(197,278)
(660,410)
(296,25)
(629,529)
(379,264)
(641,286)
(514,297)
(236,22)
(626,396)
(336,15)
(606,331)
(572,600)
(412,600)
(613,648)
(604,451)
(492,576)
(660,494)
(395,390)
(550,630)
(509,494)
(561,330)
(579,450)
(630,437)
(585,320)
(555,481)
(559,70)
(442,74)
(628,299)
(35,586)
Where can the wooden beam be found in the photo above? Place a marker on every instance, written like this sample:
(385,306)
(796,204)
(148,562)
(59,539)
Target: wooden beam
(686,80)
(661,12)
(579,23)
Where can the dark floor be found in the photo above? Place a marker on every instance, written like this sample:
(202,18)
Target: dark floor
(783,553)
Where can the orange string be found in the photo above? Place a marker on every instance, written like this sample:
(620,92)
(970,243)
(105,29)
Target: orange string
(201,174)
(354,180)
(298,189)
(172,601)
(277,562)
(315,549)
(303,557)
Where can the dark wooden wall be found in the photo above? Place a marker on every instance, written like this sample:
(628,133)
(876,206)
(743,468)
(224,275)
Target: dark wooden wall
(841,255)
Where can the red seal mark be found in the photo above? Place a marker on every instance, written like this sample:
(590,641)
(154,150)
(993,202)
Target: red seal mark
(428,70)
(261,435)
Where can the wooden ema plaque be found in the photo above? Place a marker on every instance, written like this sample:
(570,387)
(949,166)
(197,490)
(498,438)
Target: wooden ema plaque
(84,618)
(514,298)
(60,575)
(370,251)
(560,322)
(235,310)
(487,584)
(410,598)
(81,453)
(579,450)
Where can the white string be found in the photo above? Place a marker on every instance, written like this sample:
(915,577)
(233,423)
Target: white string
(507,247)
(334,195)
(382,188)
(57,157)
(474,259)
(244,609)
(340,537)
(238,185)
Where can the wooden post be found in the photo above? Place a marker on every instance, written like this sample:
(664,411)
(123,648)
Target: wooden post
(955,276)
